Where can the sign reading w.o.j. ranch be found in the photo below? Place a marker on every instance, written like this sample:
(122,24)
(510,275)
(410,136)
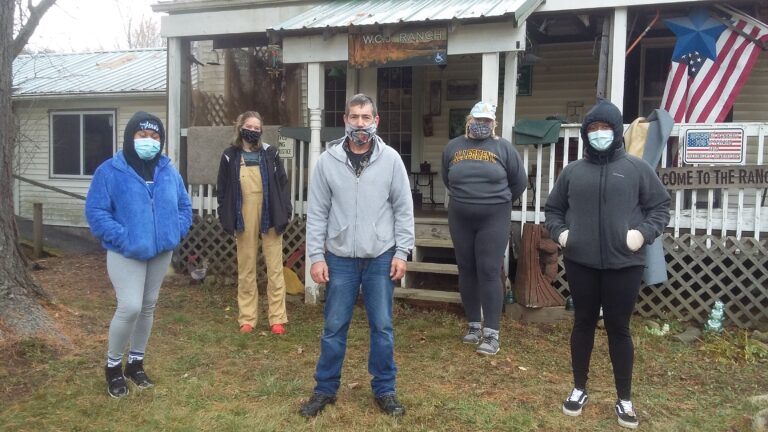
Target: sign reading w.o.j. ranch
(404,47)
(714,146)
(713,177)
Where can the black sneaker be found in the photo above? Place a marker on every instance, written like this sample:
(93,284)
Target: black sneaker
(135,371)
(625,413)
(116,386)
(390,405)
(315,404)
(575,402)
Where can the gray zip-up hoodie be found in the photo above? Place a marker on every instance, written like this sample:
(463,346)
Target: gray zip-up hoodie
(359,217)
(601,197)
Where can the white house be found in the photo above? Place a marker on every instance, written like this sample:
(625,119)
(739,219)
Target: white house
(427,62)
(71,110)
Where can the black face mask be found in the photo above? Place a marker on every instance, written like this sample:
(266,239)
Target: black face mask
(250,136)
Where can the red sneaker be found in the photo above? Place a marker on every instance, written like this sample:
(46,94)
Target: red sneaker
(246,328)
(278,329)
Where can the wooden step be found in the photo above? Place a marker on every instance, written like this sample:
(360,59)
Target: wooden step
(434,242)
(428,295)
(425,267)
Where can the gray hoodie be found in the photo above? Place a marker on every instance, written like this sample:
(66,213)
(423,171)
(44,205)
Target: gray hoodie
(601,197)
(359,217)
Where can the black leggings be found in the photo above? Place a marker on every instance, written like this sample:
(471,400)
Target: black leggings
(616,291)
(480,234)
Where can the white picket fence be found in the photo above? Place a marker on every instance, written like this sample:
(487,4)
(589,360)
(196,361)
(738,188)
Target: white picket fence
(733,211)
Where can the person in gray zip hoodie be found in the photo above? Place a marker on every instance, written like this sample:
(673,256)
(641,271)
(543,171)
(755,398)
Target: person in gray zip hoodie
(603,210)
(360,230)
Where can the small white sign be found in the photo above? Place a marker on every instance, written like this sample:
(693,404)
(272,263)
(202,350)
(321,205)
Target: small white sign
(714,146)
(285,147)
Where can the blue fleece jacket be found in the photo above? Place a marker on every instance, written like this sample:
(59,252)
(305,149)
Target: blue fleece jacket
(131,218)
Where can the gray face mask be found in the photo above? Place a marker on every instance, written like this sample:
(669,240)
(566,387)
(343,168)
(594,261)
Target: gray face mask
(360,136)
(479,130)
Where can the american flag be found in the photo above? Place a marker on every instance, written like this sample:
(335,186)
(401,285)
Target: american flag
(700,90)
(723,140)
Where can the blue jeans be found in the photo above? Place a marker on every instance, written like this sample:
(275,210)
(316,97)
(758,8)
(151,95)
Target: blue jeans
(346,276)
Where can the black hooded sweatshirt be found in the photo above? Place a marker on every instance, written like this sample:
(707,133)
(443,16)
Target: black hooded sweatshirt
(140,121)
(602,196)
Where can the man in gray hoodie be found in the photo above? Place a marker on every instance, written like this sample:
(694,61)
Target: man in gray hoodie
(360,231)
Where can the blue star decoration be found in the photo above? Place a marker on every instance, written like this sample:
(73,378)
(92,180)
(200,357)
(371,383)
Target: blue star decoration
(696,37)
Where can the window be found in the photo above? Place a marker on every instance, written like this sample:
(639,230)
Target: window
(335,96)
(656,60)
(395,97)
(81,141)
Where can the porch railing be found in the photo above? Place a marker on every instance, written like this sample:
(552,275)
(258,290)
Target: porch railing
(732,211)
(203,196)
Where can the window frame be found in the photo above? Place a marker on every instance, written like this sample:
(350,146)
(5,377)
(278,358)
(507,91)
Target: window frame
(81,113)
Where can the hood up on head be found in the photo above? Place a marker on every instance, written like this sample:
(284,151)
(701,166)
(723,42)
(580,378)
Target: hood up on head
(142,121)
(607,112)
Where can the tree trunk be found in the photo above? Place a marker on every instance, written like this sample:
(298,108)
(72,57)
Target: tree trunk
(537,269)
(20,310)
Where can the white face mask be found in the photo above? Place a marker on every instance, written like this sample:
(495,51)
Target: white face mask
(600,139)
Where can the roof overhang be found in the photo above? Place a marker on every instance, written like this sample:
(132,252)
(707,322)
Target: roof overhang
(355,13)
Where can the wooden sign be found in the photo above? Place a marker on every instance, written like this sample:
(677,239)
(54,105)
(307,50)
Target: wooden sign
(714,177)
(405,47)
(285,147)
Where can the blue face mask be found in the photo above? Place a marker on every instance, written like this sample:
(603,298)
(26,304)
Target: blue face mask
(146,148)
(600,139)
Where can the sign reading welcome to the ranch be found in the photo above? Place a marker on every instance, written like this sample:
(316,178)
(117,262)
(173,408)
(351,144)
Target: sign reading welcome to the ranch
(404,47)
(714,177)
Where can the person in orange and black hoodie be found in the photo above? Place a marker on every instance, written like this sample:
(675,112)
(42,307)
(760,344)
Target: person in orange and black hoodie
(139,209)
(603,210)
(254,202)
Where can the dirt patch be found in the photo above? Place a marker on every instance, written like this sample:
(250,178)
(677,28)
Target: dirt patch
(77,280)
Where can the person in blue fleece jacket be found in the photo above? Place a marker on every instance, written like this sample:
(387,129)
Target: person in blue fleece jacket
(138,208)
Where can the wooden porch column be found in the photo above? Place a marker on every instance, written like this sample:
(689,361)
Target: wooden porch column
(490,77)
(315,85)
(618,63)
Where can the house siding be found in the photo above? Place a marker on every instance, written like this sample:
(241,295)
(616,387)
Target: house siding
(33,153)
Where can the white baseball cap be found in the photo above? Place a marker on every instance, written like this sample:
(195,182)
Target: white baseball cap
(483,110)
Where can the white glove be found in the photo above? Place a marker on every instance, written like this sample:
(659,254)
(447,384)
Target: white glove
(635,240)
(563,238)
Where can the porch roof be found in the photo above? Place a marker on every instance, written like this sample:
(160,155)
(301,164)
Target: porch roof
(347,13)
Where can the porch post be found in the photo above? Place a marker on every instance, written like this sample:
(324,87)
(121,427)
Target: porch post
(315,105)
(510,95)
(490,77)
(176,58)
(618,63)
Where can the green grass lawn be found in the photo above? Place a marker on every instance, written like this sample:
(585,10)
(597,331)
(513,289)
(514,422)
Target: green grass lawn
(210,377)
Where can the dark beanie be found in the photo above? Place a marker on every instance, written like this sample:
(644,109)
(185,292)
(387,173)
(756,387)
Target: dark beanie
(142,121)
(604,111)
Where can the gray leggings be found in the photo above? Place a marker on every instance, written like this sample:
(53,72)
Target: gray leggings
(480,233)
(137,286)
